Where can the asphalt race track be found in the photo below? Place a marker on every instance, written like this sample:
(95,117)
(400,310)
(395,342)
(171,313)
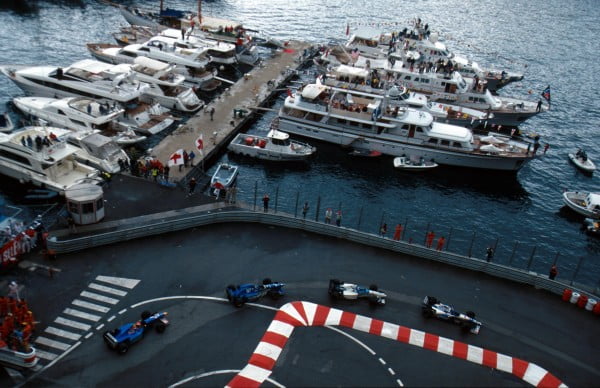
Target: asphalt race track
(209,340)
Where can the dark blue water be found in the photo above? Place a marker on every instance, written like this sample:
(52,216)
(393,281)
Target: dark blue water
(552,42)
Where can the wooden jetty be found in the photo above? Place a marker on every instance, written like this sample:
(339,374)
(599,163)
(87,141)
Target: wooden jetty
(248,93)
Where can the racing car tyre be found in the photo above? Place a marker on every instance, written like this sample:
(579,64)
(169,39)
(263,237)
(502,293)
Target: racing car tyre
(227,294)
(146,314)
(122,348)
(427,313)
(470,314)
(373,287)
(431,300)
(239,302)
(267,281)
(160,327)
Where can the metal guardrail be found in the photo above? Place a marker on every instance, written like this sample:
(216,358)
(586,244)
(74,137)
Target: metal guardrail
(125,233)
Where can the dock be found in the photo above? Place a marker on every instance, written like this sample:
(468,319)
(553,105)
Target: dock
(249,94)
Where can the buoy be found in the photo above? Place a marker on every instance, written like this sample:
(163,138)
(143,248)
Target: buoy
(582,301)
(262,143)
(574,297)
(567,294)
(591,303)
(596,309)
(249,140)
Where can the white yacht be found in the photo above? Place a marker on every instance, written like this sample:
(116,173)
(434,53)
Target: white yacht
(92,79)
(166,87)
(359,79)
(31,156)
(80,114)
(194,71)
(6,124)
(221,53)
(359,120)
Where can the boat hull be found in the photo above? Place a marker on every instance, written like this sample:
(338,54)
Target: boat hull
(324,132)
(587,166)
(576,202)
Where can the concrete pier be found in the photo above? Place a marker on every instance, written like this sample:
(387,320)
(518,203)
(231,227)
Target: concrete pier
(250,91)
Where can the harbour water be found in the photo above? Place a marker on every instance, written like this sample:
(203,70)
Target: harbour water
(554,43)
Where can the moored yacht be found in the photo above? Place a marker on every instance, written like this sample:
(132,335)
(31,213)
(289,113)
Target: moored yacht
(80,114)
(31,156)
(89,78)
(360,120)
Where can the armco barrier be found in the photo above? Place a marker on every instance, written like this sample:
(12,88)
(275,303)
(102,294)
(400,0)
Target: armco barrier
(126,232)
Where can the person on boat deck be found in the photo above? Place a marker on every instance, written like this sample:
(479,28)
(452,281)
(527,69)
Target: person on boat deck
(29,141)
(53,137)
(23,141)
(38,143)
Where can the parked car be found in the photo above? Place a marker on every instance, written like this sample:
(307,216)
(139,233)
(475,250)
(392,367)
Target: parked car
(240,294)
(122,337)
(432,307)
(341,290)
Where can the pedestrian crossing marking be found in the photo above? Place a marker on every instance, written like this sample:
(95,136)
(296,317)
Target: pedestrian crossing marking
(98,297)
(108,290)
(81,314)
(123,282)
(62,333)
(73,324)
(52,343)
(90,306)
(45,355)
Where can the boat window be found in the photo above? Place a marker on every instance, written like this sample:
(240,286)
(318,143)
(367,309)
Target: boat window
(129,54)
(445,143)
(60,112)
(419,129)
(407,78)
(74,207)
(16,158)
(432,140)
(99,203)
(87,208)
(367,126)
(341,121)
(79,122)
(353,123)
(405,127)
(456,144)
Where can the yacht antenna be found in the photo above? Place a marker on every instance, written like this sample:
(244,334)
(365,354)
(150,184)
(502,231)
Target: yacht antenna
(161,6)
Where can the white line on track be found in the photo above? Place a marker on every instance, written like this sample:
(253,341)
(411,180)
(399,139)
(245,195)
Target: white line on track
(382,361)
(218,372)
(111,318)
(73,324)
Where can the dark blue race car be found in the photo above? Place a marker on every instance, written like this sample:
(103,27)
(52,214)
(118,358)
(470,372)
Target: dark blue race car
(238,295)
(121,338)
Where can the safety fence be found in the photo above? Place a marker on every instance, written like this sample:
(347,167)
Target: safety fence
(157,226)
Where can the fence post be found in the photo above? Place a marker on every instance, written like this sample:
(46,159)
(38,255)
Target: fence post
(404,230)
(318,209)
(555,258)
(359,218)
(381,222)
(276,198)
(471,246)
(496,245)
(531,258)
(448,240)
(255,193)
(513,254)
(426,231)
(576,270)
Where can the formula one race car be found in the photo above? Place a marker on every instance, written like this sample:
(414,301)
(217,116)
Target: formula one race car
(431,307)
(238,295)
(341,290)
(121,338)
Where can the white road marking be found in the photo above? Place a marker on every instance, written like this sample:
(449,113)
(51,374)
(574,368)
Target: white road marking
(108,290)
(368,349)
(391,371)
(62,333)
(100,326)
(14,374)
(89,335)
(51,343)
(111,318)
(90,306)
(122,311)
(123,282)
(382,361)
(399,383)
(74,324)
(45,355)
(81,314)
(218,372)
(98,297)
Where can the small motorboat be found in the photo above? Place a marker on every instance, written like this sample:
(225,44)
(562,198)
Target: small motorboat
(585,203)
(276,146)
(40,195)
(413,164)
(128,137)
(223,178)
(581,160)
(592,226)
(364,153)
(6,124)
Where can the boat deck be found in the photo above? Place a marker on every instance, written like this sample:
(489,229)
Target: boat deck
(249,91)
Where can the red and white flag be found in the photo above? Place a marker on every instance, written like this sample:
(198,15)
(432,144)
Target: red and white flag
(176,158)
(200,143)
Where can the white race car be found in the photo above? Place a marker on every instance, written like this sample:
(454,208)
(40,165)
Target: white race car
(432,307)
(342,290)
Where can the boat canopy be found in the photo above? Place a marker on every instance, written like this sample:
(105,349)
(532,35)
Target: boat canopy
(91,66)
(366,32)
(351,71)
(593,201)
(312,91)
(151,63)
(278,135)
(451,132)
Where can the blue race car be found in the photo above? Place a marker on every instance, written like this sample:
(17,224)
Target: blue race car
(431,307)
(238,295)
(121,338)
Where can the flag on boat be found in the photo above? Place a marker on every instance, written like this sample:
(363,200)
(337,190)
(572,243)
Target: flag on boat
(200,143)
(176,159)
(546,94)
